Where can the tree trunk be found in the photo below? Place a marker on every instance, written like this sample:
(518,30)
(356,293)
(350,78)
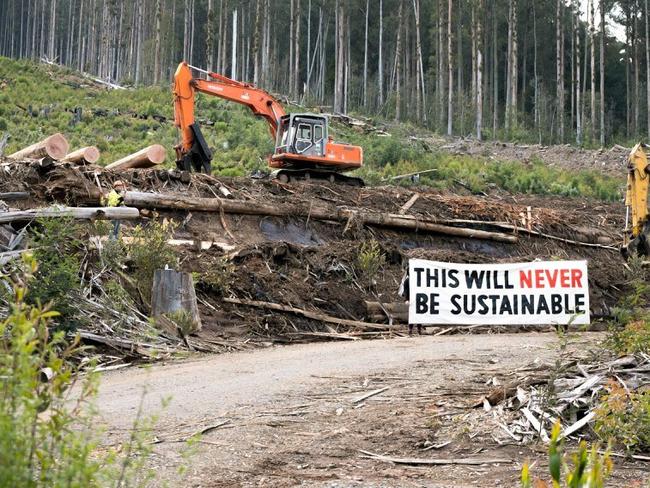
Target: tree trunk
(450,73)
(80,213)
(592,41)
(256,43)
(479,71)
(398,63)
(420,64)
(292,45)
(578,102)
(602,73)
(559,81)
(156,66)
(233,62)
(340,214)
(52,46)
(538,124)
(509,69)
(365,58)
(495,77)
(339,80)
(84,155)
(647,63)
(380,62)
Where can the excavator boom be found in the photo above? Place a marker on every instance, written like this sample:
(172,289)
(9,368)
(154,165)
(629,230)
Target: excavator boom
(303,146)
(636,200)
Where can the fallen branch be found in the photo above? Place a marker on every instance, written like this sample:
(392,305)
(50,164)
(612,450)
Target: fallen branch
(370,394)
(340,214)
(310,315)
(81,213)
(420,461)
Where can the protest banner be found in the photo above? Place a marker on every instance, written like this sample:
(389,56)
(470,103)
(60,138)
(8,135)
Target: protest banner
(550,292)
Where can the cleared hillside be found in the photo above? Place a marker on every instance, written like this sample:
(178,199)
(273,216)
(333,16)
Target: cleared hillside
(38,99)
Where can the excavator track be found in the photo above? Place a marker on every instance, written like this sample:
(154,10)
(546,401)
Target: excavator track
(310,174)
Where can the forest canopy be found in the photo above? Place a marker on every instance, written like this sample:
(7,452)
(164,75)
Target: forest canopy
(544,71)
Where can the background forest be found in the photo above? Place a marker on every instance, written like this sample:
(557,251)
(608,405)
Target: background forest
(544,71)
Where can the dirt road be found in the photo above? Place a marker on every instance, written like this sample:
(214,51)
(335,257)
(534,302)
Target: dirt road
(248,379)
(287,416)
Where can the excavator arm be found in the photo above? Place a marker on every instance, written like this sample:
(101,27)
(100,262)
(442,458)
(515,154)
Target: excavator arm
(193,150)
(636,200)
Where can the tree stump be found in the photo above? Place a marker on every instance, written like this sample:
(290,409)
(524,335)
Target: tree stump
(173,296)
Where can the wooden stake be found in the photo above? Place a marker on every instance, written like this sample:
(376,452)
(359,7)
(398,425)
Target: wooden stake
(55,146)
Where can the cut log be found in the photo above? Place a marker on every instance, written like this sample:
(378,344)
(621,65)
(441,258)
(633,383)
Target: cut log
(81,213)
(341,214)
(145,158)
(173,295)
(394,307)
(89,154)
(56,147)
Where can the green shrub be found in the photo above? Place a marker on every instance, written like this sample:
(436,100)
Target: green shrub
(149,251)
(589,469)
(218,277)
(56,247)
(370,261)
(47,440)
(623,418)
(630,331)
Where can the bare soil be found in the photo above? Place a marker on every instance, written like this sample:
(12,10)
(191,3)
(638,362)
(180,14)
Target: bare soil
(286,416)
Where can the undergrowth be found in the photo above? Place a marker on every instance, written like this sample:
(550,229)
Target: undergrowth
(623,414)
(48,435)
(370,261)
(57,247)
(149,250)
(587,469)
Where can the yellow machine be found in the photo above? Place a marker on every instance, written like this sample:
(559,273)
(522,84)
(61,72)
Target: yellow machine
(636,200)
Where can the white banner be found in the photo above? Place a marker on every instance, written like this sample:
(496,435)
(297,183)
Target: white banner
(551,292)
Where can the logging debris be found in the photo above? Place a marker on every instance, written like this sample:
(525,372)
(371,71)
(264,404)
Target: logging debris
(279,264)
(526,409)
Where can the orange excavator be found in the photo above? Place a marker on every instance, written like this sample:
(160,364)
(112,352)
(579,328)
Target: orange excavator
(303,147)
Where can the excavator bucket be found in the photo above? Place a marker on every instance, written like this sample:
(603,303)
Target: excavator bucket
(637,232)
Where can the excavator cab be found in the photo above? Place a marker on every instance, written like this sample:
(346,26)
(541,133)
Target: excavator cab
(302,134)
